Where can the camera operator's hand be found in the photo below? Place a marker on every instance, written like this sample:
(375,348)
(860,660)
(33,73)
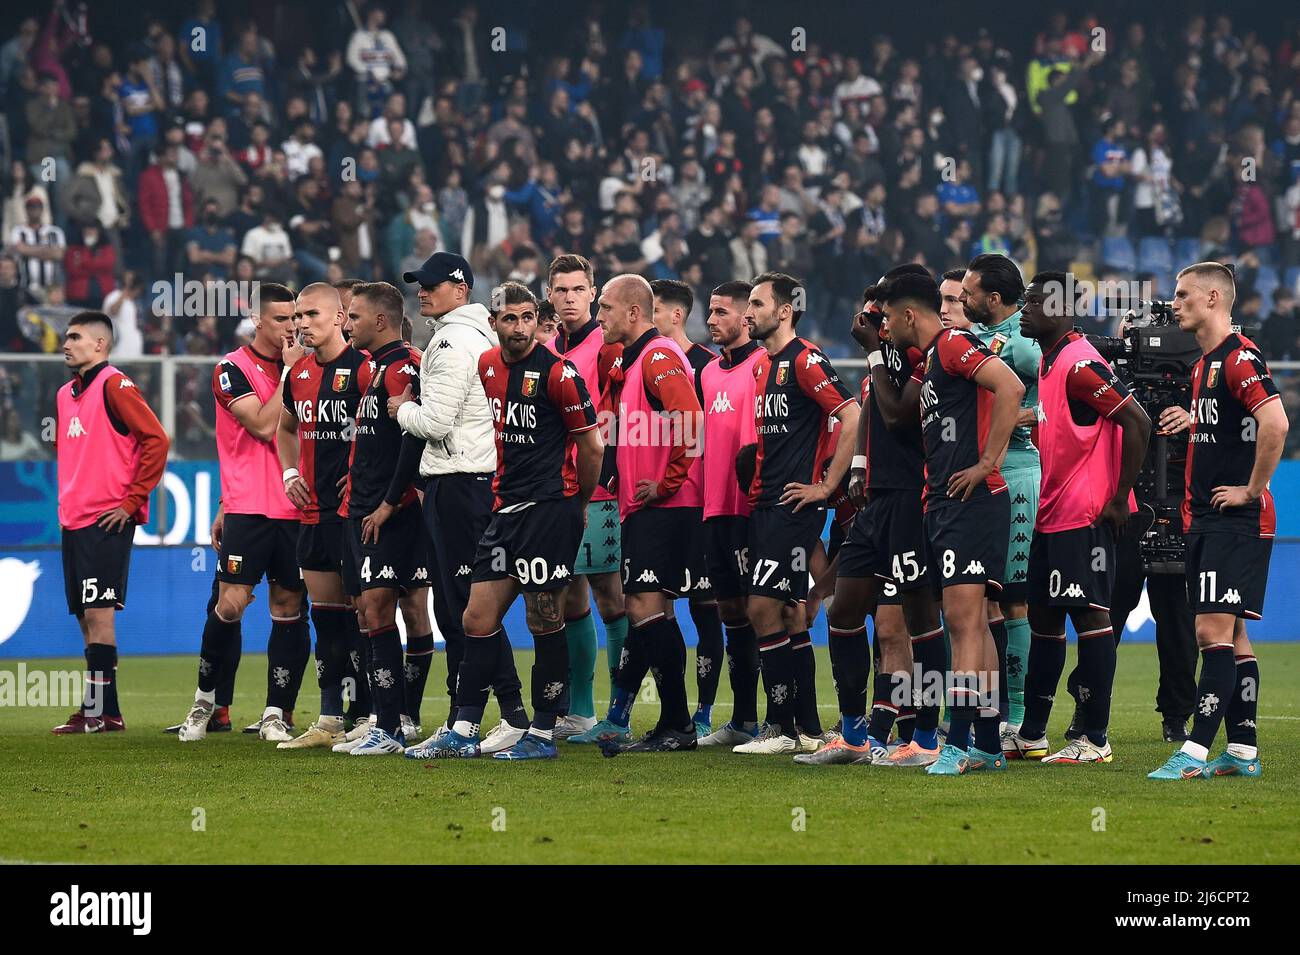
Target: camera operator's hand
(1173,420)
(1235,495)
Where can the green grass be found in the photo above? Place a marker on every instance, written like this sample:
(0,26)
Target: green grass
(132,797)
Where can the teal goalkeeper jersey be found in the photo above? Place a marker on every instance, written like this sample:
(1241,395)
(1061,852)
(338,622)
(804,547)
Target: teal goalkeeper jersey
(1024,357)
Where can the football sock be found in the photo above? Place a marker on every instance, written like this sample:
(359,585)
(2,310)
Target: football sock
(580,635)
(101,691)
(776,659)
(473,680)
(851,668)
(963,709)
(805,684)
(905,725)
(1214,691)
(890,688)
(1017,661)
(615,635)
(633,663)
(287,650)
(998,628)
(742,673)
(415,674)
(386,677)
(332,666)
(929,665)
(360,705)
(551,669)
(1096,676)
(1046,661)
(708,652)
(218,635)
(509,691)
(987,736)
(669,649)
(226,688)
(1243,709)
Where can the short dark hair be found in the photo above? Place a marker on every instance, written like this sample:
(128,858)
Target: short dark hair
(511,293)
(349,285)
(953,275)
(997,273)
(1042,278)
(734,290)
(910,287)
(93,318)
(269,293)
(871,292)
(674,293)
(570,263)
(783,290)
(383,296)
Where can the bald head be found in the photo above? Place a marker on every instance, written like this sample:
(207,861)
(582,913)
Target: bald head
(626,308)
(318,314)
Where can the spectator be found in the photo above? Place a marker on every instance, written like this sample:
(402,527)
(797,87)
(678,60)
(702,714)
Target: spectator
(39,248)
(271,250)
(994,238)
(15,443)
(791,251)
(122,305)
(300,148)
(1109,179)
(958,199)
(200,43)
(1156,209)
(217,177)
(309,226)
(1001,107)
(141,104)
(166,211)
(375,57)
(13,297)
(242,76)
(210,246)
(353,220)
(89,265)
(51,128)
(748,253)
(767,215)
(96,193)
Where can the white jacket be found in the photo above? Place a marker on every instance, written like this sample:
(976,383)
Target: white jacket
(453,414)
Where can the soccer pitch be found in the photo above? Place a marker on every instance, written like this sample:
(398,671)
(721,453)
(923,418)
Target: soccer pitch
(143,797)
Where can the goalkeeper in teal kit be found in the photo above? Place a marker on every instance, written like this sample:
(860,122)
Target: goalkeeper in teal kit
(990,297)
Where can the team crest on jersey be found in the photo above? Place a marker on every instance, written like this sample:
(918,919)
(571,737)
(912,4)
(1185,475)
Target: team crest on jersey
(234,564)
(342,376)
(1212,378)
(530,383)
(996,345)
(783,373)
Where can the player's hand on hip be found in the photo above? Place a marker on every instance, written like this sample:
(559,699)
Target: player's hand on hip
(375,520)
(1235,495)
(218,525)
(801,495)
(647,492)
(1173,420)
(396,401)
(962,484)
(114,520)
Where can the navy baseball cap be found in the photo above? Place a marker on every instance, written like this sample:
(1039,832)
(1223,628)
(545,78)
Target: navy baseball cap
(442,267)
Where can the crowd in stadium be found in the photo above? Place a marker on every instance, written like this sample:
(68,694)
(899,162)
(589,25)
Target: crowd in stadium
(385,138)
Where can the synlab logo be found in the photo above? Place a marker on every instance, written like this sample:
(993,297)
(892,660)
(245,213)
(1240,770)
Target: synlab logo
(17,582)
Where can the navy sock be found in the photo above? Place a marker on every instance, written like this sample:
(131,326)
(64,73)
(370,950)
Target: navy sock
(474,677)
(742,673)
(287,651)
(1046,661)
(633,664)
(1244,707)
(1214,691)
(360,704)
(386,677)
(550,677)
(929,662)
(851,670)
(1096,676)
(218,635)
(101,690)
(963,708)
(505,684)
(670,659)
(889,691)
(331,654)
(776,658)
(708,652)
(415,673)
(805,684)
(987,736)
